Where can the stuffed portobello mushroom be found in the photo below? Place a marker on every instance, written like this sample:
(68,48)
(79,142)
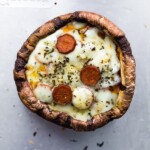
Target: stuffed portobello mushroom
(77,71)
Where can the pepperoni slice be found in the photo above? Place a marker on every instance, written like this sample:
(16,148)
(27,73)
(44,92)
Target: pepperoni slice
(90,75)
(65,44)
(62,94)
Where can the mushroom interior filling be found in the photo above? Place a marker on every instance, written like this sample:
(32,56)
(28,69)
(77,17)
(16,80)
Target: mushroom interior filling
(76,70)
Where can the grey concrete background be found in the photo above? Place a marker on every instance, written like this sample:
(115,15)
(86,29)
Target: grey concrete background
(17,123)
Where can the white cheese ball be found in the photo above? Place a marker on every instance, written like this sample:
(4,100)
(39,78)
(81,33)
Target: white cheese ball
(43,93)
(82,98)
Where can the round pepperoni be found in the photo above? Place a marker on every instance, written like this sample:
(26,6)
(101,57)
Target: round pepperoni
(62,94)
(90,75)
(65,43)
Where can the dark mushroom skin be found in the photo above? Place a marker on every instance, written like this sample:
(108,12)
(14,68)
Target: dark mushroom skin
(127,72)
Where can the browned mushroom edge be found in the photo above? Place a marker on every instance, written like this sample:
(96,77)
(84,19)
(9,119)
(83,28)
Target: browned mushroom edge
(61,118)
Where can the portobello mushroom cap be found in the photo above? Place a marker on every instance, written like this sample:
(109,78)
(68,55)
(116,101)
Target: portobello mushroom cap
(127,72)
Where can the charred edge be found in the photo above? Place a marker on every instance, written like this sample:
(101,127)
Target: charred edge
(19,84)
(90,126)
(41,36)
(34,39)
(85,20)
(124,45)
(41,114)
(19,64)
(60,121)
(68,121)
(36,32)
(110,120)
(23,49)
(76,14)
(122,87)
(78,18)
(57,120)
(106,118)
(60,23)
(82,20)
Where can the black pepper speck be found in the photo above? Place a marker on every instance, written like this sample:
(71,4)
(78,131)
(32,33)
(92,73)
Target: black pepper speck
(100,144)
(34,133)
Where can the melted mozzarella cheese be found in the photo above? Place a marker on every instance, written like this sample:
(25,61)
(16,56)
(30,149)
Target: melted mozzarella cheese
(46,66)
(107,98)
(43,93)
(107,81)
(80,100)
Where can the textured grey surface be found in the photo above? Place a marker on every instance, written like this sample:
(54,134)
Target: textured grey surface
(17,123)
